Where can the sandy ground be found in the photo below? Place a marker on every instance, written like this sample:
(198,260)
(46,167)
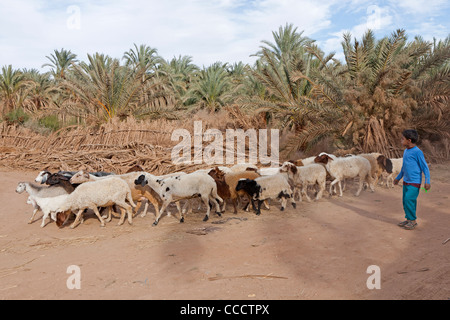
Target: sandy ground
(321,250)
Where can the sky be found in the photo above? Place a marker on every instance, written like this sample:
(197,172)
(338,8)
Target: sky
(207,30)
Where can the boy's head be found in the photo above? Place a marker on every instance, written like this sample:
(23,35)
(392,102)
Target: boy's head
(410,137)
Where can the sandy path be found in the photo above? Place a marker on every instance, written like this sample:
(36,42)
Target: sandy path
(321,250)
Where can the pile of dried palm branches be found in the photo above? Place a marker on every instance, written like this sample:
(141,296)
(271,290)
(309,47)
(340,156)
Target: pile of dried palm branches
(114,146)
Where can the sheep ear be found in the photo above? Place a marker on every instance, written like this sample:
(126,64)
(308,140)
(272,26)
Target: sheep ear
(293,169)
(389,165)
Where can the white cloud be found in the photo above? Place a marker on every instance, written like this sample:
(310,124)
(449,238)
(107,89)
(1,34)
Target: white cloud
(207,30)
(419,7)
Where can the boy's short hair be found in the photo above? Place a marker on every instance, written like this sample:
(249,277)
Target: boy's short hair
(411,135)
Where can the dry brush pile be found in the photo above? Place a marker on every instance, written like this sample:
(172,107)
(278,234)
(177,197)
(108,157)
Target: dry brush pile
(113,147)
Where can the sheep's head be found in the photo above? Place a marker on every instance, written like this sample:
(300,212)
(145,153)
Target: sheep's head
(42,176)
(248,185)
(80,177)
(385,163)
(289,167)
(62,217)
(217,174)
(323,158)
(20,187)
(56,178)
(141,180)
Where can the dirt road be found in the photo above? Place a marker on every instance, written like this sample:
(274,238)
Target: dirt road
(321,250)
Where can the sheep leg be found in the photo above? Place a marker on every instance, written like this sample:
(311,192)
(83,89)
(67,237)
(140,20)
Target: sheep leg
(333,183)
(109,216)
(390,181)
(187,204)
(128,211)
(372,182)
(283,203)
(33,215)
(139,205)
(250,200)
(321,190)
(153,201)
(77,219)
(223,207)
(293,203)
(44,217)
(362,179)
(298,192)
(97,213)
(206,202)
(258,211)
(234,201)
(305,193)
(214,200)
(144,212)
(122,214)
(182,212)
(360,187)
(161,210)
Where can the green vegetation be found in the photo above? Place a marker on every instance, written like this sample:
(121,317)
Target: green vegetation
(364,102)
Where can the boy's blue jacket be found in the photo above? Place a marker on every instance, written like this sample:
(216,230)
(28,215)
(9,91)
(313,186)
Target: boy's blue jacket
(413,165)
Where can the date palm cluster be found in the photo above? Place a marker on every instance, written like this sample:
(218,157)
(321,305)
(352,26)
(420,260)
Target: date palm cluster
(363,102)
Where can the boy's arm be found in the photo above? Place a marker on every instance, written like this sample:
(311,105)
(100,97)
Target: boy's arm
(424,167)
(400,175)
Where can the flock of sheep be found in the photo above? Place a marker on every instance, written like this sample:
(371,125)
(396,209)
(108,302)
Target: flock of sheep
(60,194)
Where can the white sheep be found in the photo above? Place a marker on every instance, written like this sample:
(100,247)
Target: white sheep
(49,205)
(347,167)
(268,171)
(138,193)
(188,186)
(397,164)
(241,167)
(274,186)
(304,176)
(379,164)
(93,194)
(39,191)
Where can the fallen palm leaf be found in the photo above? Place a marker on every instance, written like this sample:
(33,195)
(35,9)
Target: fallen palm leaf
(248,276)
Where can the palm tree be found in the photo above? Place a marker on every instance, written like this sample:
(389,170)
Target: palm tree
(104,86)
(60,62)
(40,90)
(289,44)
(381,88)
(213,88)
(180,72)
(286,97)
(142,58)
(11,83)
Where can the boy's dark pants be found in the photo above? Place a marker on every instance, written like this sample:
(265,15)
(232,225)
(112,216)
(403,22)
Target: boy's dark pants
(410,194)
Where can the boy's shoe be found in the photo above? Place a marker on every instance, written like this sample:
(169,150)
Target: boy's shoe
(410,225)
(402,224)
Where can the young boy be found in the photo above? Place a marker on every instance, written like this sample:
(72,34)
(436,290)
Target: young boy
(413,165)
